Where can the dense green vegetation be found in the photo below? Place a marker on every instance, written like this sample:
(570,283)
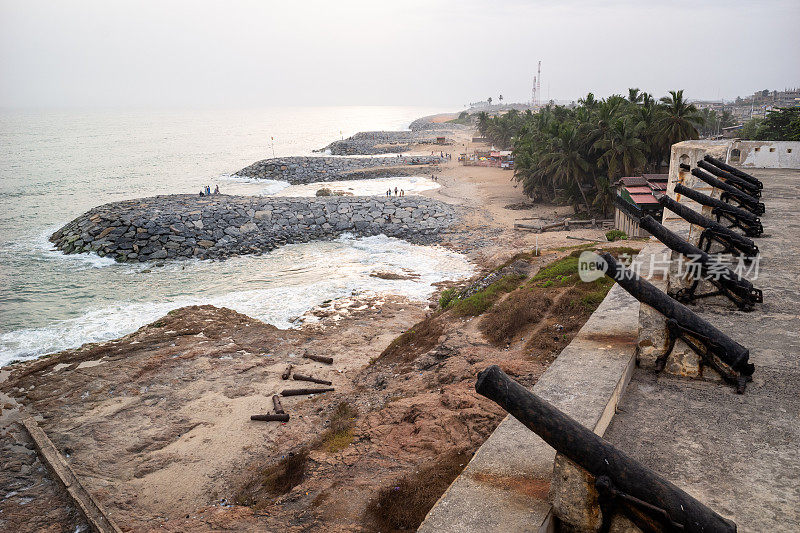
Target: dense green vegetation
(574,154)
(781,124)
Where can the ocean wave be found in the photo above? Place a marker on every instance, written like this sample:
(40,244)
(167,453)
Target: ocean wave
(286,283)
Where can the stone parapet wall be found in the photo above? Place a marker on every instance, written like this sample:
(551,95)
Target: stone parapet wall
(302,170)
(188,226)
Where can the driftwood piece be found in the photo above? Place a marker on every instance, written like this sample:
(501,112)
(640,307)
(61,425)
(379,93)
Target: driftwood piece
(300,392)
(276,401)
(301,377)
(91,509)
(280,417)
(319,358)
(287,372)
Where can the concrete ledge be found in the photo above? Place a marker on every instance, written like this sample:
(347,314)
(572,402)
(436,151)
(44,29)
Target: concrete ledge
(505,486)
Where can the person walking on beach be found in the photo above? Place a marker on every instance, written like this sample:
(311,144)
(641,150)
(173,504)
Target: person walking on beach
(402,192)
(395,191)
(216,189)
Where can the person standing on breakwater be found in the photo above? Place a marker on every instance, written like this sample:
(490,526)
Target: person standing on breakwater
(395,191)
(216,189)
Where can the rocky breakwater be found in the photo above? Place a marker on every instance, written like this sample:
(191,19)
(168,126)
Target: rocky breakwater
(302,170)
(188,226)
(379,142)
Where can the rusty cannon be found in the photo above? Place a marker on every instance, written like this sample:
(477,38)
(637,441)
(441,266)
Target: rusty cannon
(717,350)
(734,171)
(749,223)
(723,240)
(624,485)
(705,268)
(734,181)
(729,192)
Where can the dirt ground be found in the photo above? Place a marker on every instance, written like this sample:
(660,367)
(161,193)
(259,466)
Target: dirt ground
(156,424)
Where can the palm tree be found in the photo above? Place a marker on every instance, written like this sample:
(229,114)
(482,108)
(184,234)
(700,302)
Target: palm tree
(604,198)
(589,102)
(566,162)
(679,120)
(483,122)
(635,96)
(622,149)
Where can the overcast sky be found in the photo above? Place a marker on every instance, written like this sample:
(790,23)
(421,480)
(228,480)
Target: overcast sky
(199,53)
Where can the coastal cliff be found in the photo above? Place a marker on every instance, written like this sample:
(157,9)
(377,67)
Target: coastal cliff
(188,226)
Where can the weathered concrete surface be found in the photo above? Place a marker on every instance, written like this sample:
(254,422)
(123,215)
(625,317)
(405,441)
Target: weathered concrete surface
(505,486)
(738,454)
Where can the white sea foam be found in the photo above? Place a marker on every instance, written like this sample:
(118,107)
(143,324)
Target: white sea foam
(368,187)
(285,284)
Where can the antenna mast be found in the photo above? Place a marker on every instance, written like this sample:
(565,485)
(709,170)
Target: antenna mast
(537,89)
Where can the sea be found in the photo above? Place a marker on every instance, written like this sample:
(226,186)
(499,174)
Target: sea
(55,165)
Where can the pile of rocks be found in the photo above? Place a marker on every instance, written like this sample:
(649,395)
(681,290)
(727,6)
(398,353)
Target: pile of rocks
(425,124)
(379,142)
(184,226)
(302,170)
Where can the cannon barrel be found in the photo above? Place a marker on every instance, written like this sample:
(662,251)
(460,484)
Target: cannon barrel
(739,183)
(745,200)
(740,242)
(738,218)
(731,352)
(705,199)
(735,171)
(730,284)
(595,455)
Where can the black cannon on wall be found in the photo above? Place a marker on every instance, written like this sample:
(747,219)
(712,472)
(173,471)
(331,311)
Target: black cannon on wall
(704,268)
(713,232)
(716,349)
(738,218)
(729,192)
(623,484)
(734,171)
(734,181)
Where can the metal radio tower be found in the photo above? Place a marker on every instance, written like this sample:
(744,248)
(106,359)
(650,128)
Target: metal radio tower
(538,102)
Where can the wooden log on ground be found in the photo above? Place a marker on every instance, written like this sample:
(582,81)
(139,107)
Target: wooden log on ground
(301,377)
(287,372)
(281,417)
(301,392)
(91,509)
(319,358)
(530,227)
(276,401)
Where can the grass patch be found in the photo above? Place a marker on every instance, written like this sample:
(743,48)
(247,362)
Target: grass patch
(482,300)
(402,506)
(574,247)
(446,297)
(616,235)
(523,307)
(622,250)
(340,433)
(559,273)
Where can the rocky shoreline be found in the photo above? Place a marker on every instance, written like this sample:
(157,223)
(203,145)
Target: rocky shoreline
(220,226)
(301,170)
(383,142)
